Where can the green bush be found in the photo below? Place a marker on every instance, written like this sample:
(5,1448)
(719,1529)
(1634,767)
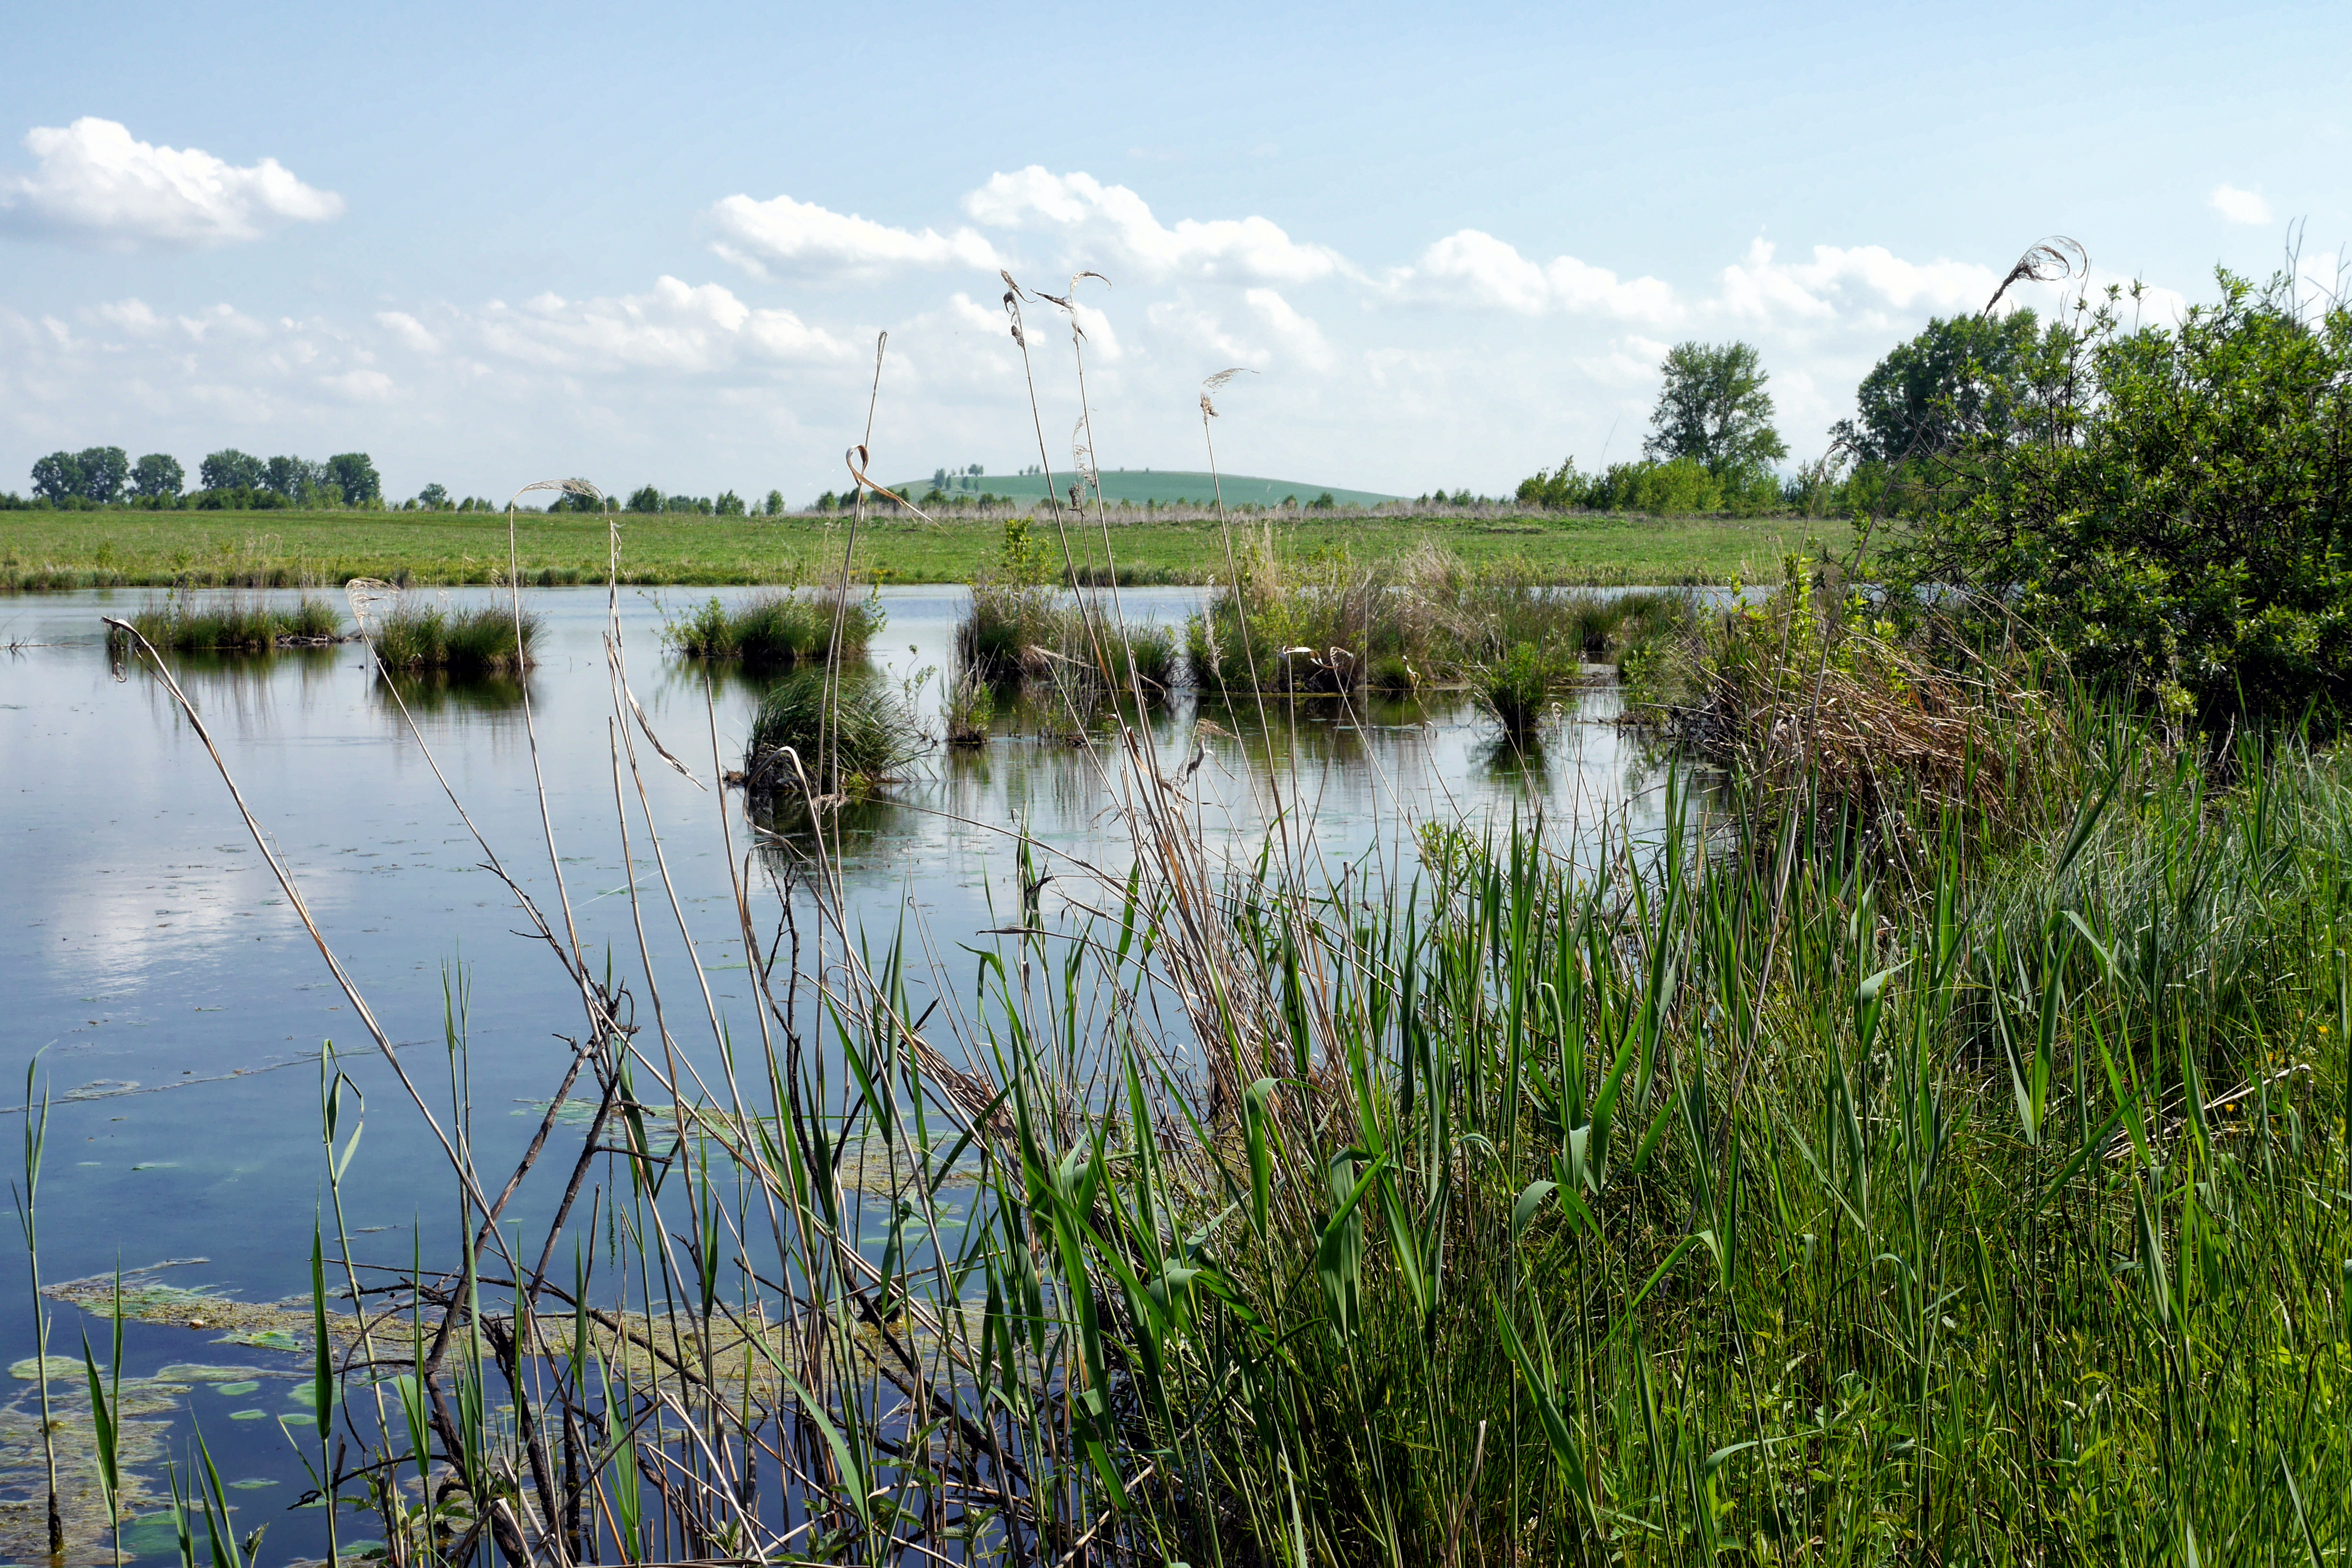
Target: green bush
(778,628)
(2173,516)
(479,641)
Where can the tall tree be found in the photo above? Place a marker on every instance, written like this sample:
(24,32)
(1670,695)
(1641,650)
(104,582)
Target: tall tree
(355,476)
(1959,380)
(433,496)
(1714,408)
(158,477)
(104,471)
(57,476)
(230,469)
(646,497)
(293,478)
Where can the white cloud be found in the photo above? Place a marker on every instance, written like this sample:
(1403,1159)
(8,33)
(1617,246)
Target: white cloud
(2238,206)
(676,326)
(132,316)
(1867,280)
(1475,265)
(805,238)
(1112,227)
(409,331)
(95,185)
(1301,338)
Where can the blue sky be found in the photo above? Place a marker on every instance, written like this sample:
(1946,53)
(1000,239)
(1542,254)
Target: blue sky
(490,245)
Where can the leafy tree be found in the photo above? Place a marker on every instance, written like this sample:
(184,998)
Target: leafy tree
(433,496)
(355,477)
(158,477)
(2176,519)
(1959,380)
(293,478)
(646,497)
(825,502)
(105,470)
(730,504)
(1712,409)
(774,505)
(229,469)
(58,477)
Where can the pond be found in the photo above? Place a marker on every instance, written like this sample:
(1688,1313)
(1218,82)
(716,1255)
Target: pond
(176,1005)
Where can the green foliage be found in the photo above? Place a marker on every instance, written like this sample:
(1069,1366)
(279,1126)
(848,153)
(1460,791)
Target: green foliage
(158,477)
(1676,487)
(434,496)
(230,469)
(729,504)
(2177,522)
(1514,688)
(104,470)
(57,476)
(1959,382)
(1713,410)
(353,475)
(644,499)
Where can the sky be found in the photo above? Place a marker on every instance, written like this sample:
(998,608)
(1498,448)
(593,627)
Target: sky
(1448,245)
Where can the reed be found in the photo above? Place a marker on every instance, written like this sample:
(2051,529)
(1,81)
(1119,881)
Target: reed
(242,624)
(1958,1177)
(781,628)
(849,731)
(487,640)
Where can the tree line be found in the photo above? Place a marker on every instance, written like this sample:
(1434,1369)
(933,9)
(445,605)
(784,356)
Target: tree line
(228,480)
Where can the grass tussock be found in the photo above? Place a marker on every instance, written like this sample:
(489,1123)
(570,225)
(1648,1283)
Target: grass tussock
(480,641)
(848,730)
(241,625)
(1425,619)
(782,628)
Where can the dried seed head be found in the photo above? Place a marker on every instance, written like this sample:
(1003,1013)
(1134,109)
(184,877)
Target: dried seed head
(2044,262)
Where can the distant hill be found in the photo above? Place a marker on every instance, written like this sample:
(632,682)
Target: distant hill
(1160,485)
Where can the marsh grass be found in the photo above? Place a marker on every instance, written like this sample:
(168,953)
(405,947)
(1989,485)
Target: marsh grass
(851,730)
(1956,1179)
(245,624)
(479,641)
(780,629)
(1423,619)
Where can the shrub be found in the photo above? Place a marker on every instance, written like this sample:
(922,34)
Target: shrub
(2173,517)
(246,625)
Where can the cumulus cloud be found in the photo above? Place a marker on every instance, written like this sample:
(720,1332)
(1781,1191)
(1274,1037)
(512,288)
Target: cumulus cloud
(1110,225)
(1869,280)
(805,238)
(675,326)
(93,184)
(1474,267)
(409,331)
(2238,206)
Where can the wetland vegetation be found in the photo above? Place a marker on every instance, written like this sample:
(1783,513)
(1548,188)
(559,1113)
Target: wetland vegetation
(1928,1144)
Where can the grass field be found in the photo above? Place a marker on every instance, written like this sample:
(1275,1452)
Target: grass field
(1162,487)
(78,550)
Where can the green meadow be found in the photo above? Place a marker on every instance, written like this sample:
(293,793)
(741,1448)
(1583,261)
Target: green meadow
(60,550)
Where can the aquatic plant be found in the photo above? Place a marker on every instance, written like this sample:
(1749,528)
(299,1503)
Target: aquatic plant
(783,628)
(850,729)
(487,639)
(241,625)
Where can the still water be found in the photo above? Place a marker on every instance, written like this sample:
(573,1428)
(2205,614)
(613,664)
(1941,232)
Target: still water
(176,1006)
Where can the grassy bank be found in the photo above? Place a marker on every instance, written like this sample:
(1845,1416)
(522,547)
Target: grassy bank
(76,550)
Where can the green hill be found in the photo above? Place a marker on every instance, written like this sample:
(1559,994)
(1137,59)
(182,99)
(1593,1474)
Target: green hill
(1162,486)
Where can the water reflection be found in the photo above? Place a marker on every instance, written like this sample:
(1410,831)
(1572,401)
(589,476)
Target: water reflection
(494,698)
